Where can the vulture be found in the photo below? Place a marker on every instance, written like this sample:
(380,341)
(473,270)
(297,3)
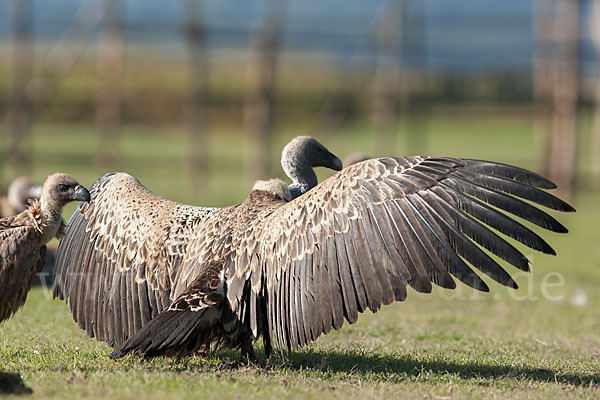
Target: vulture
(21,190)
(171,279)
(120,260)
(23,239)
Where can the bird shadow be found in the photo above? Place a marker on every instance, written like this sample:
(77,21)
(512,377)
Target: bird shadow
(11,383)
(401,367)
(397,368)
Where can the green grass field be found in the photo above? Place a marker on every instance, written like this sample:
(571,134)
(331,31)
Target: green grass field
(542,341)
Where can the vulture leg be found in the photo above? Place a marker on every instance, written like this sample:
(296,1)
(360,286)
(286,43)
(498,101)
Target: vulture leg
(265,329)
(248,355)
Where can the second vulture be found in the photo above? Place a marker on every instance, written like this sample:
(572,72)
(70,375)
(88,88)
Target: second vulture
(23,239)
(290,271)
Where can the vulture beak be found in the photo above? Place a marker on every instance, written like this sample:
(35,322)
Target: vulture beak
(336,163)
(81,193)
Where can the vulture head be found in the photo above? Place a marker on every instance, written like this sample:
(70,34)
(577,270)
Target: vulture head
(298,159)
(60,189)
(20,191)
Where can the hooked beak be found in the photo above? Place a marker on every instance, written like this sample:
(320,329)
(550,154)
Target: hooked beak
(335,163)
(81,193)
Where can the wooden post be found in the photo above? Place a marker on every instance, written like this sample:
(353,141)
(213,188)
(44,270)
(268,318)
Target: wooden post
(110,68)
(413,110)
(387,79)
(543,20)
(258,110)
(561,160)
(19,112)
(595,26)
(195,37)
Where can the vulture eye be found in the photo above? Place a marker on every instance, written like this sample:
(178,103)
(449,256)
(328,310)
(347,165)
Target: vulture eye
(62,187)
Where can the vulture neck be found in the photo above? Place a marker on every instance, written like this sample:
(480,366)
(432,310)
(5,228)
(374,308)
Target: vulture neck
(303,179)
(49,219)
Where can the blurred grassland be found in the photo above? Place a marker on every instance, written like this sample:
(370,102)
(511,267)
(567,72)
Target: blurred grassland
(459,344)
(158,154)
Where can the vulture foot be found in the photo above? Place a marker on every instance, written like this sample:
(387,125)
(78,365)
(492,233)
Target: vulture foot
(248,356)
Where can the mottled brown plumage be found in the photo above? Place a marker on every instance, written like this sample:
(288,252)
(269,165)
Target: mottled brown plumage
(291,271)
(117,262)
(122,255)
(23,239)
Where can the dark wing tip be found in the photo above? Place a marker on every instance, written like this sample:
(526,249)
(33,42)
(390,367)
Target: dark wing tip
(511,172)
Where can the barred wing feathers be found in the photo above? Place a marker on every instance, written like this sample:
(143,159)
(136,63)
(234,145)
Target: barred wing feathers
(117,262)
(358,239)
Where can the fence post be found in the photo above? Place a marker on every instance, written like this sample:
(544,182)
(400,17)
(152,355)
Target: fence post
(258,110)
(387,78)
(110,67)
(414,110)
(543,20)
(195,38)
(19,112)
(561,159)
(595,26)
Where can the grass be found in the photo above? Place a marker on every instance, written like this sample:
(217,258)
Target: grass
(539,342)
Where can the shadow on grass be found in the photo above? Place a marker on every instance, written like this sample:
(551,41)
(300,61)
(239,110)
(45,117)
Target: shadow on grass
(11,383)
(399,368)
(336,364)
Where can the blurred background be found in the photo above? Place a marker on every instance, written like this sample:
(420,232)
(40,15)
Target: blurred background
(197,97)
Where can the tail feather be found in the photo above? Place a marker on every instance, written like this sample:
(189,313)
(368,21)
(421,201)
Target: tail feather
(170,332)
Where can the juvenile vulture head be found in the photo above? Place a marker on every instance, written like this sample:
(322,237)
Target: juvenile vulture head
(298,159)
(20,191)
(60,189)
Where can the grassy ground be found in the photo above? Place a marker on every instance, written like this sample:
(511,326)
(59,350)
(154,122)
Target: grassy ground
(541,341)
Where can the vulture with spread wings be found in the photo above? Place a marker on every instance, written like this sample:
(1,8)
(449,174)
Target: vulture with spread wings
(122,252)
(291,270)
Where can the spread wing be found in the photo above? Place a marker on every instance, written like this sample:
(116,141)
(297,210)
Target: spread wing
(116,264)
(358,239)
(21,259)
